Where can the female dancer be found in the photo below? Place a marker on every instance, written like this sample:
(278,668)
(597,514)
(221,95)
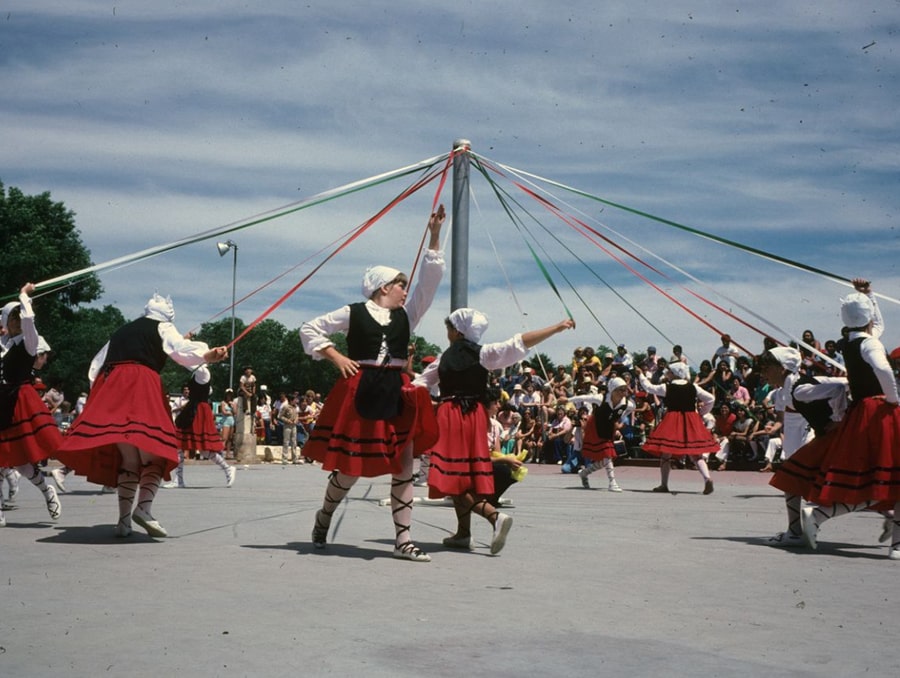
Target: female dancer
(461,465)
(681,431)
(125,437)
(369,422)
(607,412)
(857,466)
(28,432)
(195,428)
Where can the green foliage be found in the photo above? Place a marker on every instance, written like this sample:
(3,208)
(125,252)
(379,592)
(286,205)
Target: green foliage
(86,332)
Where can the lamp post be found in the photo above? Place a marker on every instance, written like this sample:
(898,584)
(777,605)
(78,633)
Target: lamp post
(223,248)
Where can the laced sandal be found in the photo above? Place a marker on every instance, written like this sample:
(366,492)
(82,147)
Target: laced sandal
(501,529)
(454,542)
(54,508)
(320,530)
(786,540)
(660,488)
(410,551)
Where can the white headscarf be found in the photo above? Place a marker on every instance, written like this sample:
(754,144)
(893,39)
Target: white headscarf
(159,308)
(857,310)
(7,309)
(469,322)
(788,356)
(377,277)
(680,370)
(612,385)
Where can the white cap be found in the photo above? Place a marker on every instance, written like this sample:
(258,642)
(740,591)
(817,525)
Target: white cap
(788,356)
(159,308)
(377,277)
(680,370)
(857,310)
(469,322)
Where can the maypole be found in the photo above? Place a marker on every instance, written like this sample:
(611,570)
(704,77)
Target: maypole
(459,260)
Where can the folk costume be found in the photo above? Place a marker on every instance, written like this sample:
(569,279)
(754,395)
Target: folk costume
(857,466)
(125,438)
(28,432)
(681,431)
(195,428)
(600,431)
(374,422)
(461,465)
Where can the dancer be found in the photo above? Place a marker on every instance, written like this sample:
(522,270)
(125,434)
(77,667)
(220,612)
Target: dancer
(125,438)
(857,466)
(28,432)
(681,431)
(195,429)
(607,413)
(369,422)
(779,367)
(461,465)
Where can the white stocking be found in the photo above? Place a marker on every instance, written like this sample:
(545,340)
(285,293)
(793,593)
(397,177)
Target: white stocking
(700,463)
(610,469)
(402,498)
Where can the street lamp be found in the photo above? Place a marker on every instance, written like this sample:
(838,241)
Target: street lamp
(223,248)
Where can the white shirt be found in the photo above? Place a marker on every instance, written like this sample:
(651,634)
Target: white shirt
(183,351)
(493,356)
(314,333)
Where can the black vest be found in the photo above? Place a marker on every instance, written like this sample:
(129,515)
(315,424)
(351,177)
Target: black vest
(17,365)
(365,334)
(681,398)
(460,373)
(605,418)
(863,382)
(137,342)
(817,412)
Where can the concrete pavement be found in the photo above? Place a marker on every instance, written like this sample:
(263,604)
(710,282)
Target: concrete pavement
(591,583)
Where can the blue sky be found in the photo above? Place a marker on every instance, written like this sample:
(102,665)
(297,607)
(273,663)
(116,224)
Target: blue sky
(770,123)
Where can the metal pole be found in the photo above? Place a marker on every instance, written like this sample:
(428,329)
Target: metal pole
(459,260)
(233,298)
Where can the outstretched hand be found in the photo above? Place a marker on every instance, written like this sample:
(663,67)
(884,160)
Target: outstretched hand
(216,355)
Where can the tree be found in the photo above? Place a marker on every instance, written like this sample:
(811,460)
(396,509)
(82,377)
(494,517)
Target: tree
(40,241)
(86,333)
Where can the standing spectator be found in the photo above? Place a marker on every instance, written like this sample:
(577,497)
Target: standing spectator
(726,352)
(247,392)
(622,362)
(226,411)
(288,415)
(649,363)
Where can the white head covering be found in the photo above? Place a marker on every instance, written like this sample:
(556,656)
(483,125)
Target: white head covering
(160,308)
(612,385)
(680,370)
(376,277)
(7,309)
(857,310)
(43,346)
(788,356)
(470,322)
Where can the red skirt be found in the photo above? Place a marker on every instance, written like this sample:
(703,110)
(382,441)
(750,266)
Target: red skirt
(461,461)
(33,435)
(202,435)
(681,433)
(594,447)
(857,462)
(128,406)
(342,440)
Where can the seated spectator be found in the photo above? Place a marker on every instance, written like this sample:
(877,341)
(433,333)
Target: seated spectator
(649,363)
(561,379)
(531,400)
(737,442)
(557,438)
(738,395)
(705,376)
(721,383)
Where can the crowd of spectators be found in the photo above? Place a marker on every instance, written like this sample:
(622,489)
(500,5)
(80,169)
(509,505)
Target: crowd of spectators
(539,421)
